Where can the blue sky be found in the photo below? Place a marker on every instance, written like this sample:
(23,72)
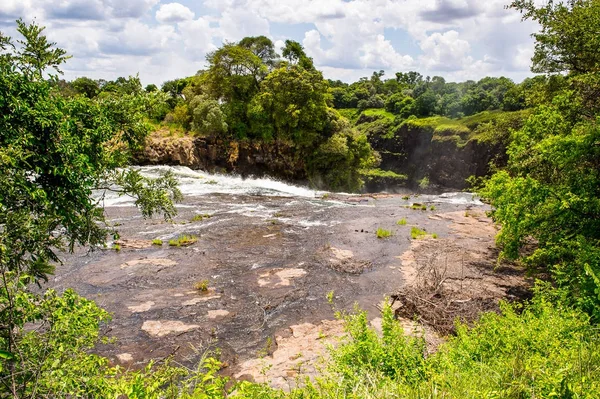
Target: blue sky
(348,39)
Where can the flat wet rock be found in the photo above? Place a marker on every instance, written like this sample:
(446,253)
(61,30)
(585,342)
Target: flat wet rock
(268,264)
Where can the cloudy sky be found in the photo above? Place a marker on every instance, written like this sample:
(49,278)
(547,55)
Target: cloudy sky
(162,40)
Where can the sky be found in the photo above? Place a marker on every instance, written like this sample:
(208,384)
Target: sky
(348,39)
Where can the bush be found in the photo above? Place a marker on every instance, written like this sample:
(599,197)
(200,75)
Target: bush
(183,241)
(382,233)
(417,233)
(337,163)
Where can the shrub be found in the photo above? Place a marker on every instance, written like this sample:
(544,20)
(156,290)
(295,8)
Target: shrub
(381,233)
(183,241)
(417,233)
(401,222)
(199,218)
(157,242)
(201,285)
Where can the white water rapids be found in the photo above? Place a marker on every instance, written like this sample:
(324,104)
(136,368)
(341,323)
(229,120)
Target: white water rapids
(199,183)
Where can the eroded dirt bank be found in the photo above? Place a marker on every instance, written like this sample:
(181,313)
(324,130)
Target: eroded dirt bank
(268,264)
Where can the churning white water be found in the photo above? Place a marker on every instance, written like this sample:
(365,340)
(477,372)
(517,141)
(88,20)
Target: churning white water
(197,183)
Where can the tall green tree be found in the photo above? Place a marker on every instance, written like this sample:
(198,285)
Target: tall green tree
(54,152)
(294,102)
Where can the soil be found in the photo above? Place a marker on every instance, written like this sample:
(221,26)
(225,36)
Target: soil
(270,263)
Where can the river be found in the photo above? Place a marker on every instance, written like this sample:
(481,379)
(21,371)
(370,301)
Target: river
(267,255)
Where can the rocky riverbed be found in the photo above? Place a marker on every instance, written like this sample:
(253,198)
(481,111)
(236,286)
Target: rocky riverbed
(255,282)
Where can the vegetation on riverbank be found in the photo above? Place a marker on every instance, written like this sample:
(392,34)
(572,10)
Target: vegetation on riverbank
(55,150)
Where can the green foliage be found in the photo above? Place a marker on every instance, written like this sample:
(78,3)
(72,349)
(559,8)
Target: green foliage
(383,174)
(401,222)
(337,163)
(382,233)
(157,242)
(416,233)
(183,241)
(199,218)
(379,113)
(567,40)
(367,356)
(549,195)
(207,117)
(201,285)
(86,86)
(54,151)
(292,105)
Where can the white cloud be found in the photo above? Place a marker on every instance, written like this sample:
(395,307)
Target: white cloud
(137,38)
(174,12)
(130,8)
(445,52)
(197,38)
(457,39)
(381,55)
(237,23)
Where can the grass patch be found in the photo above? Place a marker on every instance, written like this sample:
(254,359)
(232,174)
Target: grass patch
(199,218)
(416,233)
(201,285)
(116,247)
(432,208)
(401,222)
(382,233)
(379,112)
(157,242)
(351,114)
(373,174)
(183,241)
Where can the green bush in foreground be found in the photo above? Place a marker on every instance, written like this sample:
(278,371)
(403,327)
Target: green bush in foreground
(540,350)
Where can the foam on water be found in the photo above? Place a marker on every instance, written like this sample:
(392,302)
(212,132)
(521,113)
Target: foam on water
(196,183)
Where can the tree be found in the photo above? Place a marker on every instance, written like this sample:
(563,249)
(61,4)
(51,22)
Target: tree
(262,47)
(294,101)
(86,86)
(234,78)
(568,40)
(549,196)
(150,88)
(295,54)
(54,152)
(207,116)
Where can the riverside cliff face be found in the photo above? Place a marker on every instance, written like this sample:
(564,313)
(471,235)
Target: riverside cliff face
(447,161)
(214,155)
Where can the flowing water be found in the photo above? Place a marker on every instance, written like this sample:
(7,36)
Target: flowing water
(268,253)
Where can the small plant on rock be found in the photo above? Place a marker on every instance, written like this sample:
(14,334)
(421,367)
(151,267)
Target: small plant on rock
(417,233)
(183,241)
(201,286)
(401,222)
(382,233)
(157,242)
(199,218)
